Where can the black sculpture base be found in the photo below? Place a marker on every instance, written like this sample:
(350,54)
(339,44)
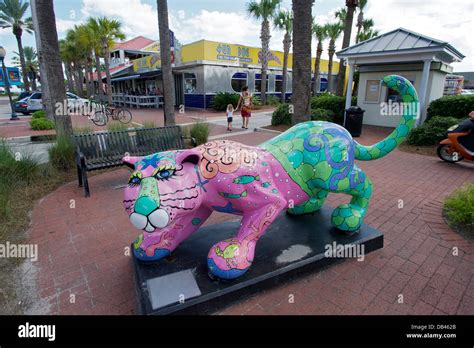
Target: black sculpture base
(292,244)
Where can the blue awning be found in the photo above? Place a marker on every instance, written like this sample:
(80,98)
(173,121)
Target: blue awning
(133,77)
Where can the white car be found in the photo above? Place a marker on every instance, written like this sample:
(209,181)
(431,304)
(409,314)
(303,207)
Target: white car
(35,102)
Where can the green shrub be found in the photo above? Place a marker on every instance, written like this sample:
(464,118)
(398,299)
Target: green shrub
(83,130)
(458,106)
(222,99)
(273,100)
(200,132)
(322,115)
(149,124)
(256,100)
(432,131)
(41,124)
(334,103)
(282,115)
(39,114)
(116,126)
(61,153)
(459,207)
(16,167)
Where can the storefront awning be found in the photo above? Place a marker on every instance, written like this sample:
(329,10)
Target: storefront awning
(133,77)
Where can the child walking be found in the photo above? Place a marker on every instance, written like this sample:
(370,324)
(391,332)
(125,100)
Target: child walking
(230,115)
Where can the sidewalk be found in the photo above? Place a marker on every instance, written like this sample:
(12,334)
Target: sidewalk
(82,251)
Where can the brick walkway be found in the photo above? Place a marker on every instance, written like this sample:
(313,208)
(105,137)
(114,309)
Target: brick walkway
(10,129)
(81,250)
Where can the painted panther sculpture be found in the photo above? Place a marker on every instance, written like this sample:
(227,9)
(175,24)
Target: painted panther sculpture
(171,194)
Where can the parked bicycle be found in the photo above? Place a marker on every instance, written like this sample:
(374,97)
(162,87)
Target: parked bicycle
(101,113)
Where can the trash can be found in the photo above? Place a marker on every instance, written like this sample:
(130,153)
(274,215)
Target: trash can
(353,120)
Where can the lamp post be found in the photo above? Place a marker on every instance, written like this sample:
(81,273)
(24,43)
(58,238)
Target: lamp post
(3,53)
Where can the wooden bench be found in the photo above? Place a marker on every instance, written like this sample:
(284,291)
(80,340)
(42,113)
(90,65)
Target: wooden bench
(106,149)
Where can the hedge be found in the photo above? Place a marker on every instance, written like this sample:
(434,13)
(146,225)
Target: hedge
(222,99)
(432,131)
(334,103)
(322,115)
(282,115)
(41,124)
(458,106)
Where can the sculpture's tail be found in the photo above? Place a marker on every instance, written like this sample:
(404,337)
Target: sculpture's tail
(407,121)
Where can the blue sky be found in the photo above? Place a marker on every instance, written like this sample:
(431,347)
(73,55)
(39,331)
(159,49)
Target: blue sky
(226,20)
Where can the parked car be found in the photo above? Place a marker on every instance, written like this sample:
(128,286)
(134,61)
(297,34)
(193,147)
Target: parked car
(35,102)
(22,106)
(23,95)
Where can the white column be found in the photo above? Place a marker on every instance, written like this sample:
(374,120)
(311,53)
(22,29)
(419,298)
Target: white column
(349,87)
(423,90)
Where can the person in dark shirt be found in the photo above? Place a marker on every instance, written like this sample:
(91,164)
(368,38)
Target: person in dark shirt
(466,125)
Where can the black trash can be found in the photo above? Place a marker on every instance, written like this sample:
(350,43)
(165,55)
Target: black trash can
(353,120)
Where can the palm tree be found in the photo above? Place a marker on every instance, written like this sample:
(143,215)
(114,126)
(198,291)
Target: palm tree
(11,16)
(367,31)
(333,31)
(360,18)
(107,32)
(165,49)
(284,21)
(77,55)
(85,38)
(320,32)
(67,55)
(31,62)
(302,35)
(346,39)
(52,77)
(96,48)
(264,10)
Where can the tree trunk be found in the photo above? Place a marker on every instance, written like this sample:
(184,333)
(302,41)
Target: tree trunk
(70,82)
(317,63)
(21,53)
(331,51)
(360,18)
(87,75)
(286,52)
(341,76)
(100,91)
(265,38)
(107,72)
(77,78)
(302,35)
(52,77)
(168,83)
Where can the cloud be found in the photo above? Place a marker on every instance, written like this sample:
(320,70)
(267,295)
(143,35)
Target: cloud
(436,18)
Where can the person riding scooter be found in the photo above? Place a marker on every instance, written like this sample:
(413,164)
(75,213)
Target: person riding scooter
(460,142)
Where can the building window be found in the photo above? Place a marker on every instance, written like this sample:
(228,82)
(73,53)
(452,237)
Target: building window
(238,81)
(323,84)
(258,83)
(190,83)
(372,91)
(279,83)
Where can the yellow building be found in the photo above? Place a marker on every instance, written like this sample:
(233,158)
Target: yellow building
(209,67)
(203,68)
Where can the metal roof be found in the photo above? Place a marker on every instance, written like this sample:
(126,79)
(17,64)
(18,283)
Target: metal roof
(398,41)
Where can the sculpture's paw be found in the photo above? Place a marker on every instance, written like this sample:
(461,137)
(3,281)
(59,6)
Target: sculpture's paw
(148,255)
(228,259)
(347,219)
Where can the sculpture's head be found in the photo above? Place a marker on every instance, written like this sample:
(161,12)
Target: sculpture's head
(162,187)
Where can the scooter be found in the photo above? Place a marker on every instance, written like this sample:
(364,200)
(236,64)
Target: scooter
(458,146)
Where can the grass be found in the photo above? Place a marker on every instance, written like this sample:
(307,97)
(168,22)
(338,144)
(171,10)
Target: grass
(200,132)
(148,124)
(22,182)
(83,130)
(116,126)
(61,154)
(459,210)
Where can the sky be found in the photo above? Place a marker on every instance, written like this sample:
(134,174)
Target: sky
(227,21)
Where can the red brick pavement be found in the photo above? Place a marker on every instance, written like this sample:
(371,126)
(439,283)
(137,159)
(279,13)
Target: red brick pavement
(82,250)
